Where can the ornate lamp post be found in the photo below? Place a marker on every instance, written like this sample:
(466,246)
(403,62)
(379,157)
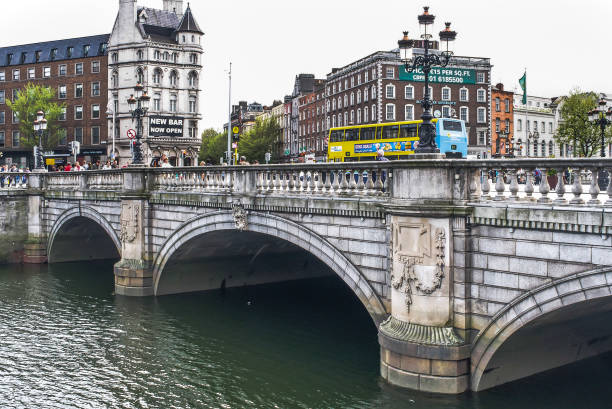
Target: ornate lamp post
(602,118)
(425,62)
(139,106)
(40,126)
(533,136)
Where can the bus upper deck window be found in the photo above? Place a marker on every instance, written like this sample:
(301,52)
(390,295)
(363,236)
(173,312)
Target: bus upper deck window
(368,134)
(408,131)
(390,132)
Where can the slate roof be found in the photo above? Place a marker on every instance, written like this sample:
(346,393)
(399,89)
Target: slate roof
(97,46)
(160,18)
(188,23)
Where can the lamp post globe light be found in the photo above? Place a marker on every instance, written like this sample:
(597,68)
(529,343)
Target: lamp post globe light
(40,126)
(602,118)
(425,62)
(139,105)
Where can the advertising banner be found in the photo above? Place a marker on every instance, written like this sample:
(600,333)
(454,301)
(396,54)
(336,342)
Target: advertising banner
(440,75)
(401,146)
(168,126)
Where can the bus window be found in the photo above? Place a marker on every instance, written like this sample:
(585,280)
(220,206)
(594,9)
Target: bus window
(452,126)
(368,134)
(352,134)
(408,131)
(390,131)
(337,136)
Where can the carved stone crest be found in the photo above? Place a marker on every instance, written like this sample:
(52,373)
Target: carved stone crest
(240,217)
(130,222)
(414,273)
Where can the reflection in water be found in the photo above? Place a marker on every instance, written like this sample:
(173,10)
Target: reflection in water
(68,341)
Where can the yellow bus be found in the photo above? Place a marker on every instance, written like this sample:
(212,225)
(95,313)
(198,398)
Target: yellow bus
(396,139)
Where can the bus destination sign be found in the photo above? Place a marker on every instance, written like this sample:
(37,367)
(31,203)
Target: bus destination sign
(440,75)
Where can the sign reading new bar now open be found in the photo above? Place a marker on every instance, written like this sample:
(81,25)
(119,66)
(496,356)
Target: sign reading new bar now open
(166,126)
(440,75)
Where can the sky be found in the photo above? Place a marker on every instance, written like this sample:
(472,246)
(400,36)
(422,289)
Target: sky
(269,42)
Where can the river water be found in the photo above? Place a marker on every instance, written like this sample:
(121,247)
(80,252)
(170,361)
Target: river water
(66,341)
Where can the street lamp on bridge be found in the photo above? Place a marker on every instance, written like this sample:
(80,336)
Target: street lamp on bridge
(139,106)
(40,126)
(533,136)
(602,118)
(425,62)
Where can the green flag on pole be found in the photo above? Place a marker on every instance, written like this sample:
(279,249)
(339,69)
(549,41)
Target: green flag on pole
(523,82)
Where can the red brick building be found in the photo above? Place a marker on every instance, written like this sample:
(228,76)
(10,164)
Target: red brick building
(311,132)
(502,121)
(77,70)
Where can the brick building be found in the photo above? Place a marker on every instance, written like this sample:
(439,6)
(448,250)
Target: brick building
(76,69)
(377,89)
(311,132)
(502,121)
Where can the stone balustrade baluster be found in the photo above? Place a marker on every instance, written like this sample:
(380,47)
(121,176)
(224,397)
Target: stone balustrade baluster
(369,184)
(336,183)
(379,186)
(544,187)
(577,187)
(303,182)
(594,189)
(259,176)
(327,187)
(608,202)
(500,186)
(344,183)
(560,188)
(529,189)
(485,185)
(514,186)
(352,182)
(312,184)
(360,182)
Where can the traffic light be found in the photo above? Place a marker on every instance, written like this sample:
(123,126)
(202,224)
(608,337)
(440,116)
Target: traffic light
(236,137)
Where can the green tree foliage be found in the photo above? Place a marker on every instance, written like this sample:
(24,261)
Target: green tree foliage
(29,101)
(214,145)
(263,137)
(575,129)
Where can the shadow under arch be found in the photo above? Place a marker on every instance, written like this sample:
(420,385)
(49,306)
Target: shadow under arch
(558,323)
(279,228)
(88,227)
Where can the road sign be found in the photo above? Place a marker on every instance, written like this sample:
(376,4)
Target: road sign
(131,133)
(236,129)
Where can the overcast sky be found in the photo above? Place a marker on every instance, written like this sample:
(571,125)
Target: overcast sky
(270,41)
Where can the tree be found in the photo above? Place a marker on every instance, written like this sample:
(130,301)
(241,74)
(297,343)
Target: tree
(214,145)
(29,101)
(262,138)
(574,128)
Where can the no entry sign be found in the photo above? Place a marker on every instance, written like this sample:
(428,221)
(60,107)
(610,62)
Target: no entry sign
(131,133)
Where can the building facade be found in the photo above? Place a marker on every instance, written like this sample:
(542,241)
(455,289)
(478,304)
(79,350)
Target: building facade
(312,135)
(378,89)
(76,70)
(535,125)
(502,121)
(162,50)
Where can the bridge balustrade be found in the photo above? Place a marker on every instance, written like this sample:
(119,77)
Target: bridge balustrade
(14,180)
(111,180)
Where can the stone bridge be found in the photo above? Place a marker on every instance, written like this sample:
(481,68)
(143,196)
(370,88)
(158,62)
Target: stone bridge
(471,282)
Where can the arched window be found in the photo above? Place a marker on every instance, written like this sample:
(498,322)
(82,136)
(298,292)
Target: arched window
(139,76)
(345,100)
(193,58)
(359,96)
(193,39)
(365,113)
(334,104)
(115,79)
(173,78)
(543,148)
(352,98)
(373,92)
(193,79)
(374,116)
(184,39)
(352,117)
(359,115)
(339,103)
(175,57)
(157,76)
(551,148)
(365,95)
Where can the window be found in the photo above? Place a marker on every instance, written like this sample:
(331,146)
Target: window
(507,105)
(481,137)
(2,97)
(62,70)
(446,111)
(481,96)
(409,112)
(481,115)
(2,117)
(1,139)
(346,119)
(15,117)
(16,75)
(507,125)
(140,76)
(37,56)
(373,92)
(365,76)
(95,89)
(339,103)
(352,98)
(173,103)
(345,85)
(115,58)
(193,58)
(497,107)
(53,54)
(157,55)
(550,128)
(157,75)
(480,77)
(359,116)
(430,92)
(543,127)
(78,135)
(157,102)
(390,72)
(166,56)
(62,116)
(463,114)
(464,95)
(390,91)
(15,94)
(409,92)
(62,92)
(95,67)
(334,104)
(86,49)
(115,79)
(63,139)
(519,125)
(31,73)
(78,68)
(446,94)
(2,76)
(140,55)
(374,115)
(173,78)
(352,82)
(192,104)
(23,57)
(359,79)
(95,111)
(359,96)
(345,100)
(365,95)
(551,148)
(543,148)
(78,112)
(78,90)
(95,135)
(193,79)
(528,125)
(390,112)
(352,117)
(15,139)
(193,129)
(497,125)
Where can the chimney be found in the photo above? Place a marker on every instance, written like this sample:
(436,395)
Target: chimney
(500,86)
(175,6)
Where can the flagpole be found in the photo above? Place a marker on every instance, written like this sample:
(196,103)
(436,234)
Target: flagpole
(526,114)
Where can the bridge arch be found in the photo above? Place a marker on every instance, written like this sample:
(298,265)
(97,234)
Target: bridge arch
(282,229)
(85,212)
(545,328)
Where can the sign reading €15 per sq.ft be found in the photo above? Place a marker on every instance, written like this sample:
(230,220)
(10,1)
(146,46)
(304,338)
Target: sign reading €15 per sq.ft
(166,126)
(440,75)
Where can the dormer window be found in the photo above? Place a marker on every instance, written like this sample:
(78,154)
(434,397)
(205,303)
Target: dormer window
(69,52)
(101,48)
(23,58)
(53,54)
(86,48)
(37,56)
(193,39)
(9,59)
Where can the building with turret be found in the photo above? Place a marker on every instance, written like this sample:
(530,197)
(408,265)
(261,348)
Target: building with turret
(162,50)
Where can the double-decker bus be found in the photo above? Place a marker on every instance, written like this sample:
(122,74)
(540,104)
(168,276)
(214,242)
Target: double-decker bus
(396,139)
